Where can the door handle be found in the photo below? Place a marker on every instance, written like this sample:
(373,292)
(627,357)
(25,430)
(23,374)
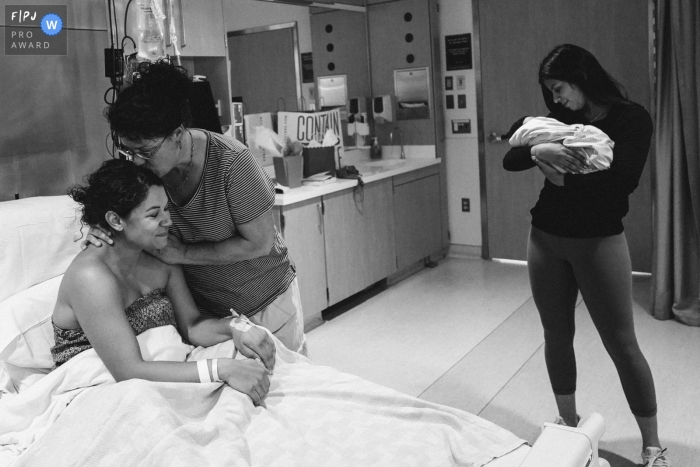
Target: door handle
(495,137)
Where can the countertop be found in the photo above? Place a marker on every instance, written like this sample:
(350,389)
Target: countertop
(370,171)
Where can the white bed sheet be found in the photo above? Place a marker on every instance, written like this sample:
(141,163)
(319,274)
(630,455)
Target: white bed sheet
(313,416)
(512,459)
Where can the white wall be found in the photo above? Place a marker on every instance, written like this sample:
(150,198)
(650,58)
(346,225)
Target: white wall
(462,151)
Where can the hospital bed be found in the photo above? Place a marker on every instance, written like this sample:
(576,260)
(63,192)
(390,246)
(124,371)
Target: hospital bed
(313,415)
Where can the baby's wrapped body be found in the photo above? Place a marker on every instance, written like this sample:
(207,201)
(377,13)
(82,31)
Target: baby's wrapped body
(587,140)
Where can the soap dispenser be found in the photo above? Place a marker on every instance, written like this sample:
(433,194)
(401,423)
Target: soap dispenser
(375,151)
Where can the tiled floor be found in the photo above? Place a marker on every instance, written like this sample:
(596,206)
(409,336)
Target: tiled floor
(467,334)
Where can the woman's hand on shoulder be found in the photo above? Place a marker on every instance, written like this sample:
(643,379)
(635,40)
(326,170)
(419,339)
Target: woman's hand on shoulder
(95,236)
(255,343)
(558,155)
(247,376)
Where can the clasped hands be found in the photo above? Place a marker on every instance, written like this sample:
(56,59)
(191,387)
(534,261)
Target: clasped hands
(550,156)
(253,376)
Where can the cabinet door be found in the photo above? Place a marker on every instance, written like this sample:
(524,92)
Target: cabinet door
(359,238)
(417,220)
(303,234)
(204,34)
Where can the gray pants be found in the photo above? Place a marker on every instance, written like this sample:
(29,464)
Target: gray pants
(601,269)
(285,319)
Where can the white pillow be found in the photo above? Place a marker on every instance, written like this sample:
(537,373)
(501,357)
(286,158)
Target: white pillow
(26,332)
(19,378)
(37,240)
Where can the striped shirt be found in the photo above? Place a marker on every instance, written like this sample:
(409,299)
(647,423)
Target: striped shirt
(234,190)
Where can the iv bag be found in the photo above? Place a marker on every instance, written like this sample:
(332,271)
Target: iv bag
(151,44)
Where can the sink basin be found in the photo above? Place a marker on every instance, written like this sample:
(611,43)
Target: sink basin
(384,163)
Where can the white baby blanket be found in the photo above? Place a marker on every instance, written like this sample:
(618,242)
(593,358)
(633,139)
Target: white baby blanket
(312,416)
(587,140)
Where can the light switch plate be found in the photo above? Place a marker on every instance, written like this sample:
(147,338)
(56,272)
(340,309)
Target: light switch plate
(461,126)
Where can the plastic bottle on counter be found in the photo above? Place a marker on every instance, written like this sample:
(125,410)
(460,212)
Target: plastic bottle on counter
(375,151)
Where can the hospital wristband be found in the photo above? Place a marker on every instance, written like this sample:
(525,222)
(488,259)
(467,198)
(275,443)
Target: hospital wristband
(215,370)
(203,370)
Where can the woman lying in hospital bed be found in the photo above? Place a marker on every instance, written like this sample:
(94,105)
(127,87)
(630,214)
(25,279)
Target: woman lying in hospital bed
(117,318)
(110,295)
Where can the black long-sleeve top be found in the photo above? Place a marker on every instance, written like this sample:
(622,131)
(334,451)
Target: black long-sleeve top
(592,205)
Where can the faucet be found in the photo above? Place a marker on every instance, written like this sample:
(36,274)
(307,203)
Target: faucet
(391,135)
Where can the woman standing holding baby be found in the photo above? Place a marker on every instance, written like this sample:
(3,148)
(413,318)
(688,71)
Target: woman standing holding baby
(577,239)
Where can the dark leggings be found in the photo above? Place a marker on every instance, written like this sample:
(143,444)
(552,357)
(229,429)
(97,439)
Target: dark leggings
(601,269)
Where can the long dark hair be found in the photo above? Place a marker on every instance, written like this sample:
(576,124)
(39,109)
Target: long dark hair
(154,105)
(118,186)
(576,65)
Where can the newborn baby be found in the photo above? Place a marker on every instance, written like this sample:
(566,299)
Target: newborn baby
(587,140)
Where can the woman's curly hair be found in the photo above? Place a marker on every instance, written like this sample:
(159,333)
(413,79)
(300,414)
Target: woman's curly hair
(118,185)
(154,105)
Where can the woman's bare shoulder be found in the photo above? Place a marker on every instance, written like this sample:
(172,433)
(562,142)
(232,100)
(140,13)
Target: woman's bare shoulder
(154,270)
(85,273)
(87,269)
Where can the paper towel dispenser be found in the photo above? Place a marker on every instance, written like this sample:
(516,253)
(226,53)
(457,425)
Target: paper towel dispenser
(412,89)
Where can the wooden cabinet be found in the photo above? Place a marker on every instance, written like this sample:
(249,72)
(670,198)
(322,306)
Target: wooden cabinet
(417,218)
(359,238)
(343,242)
(303,231)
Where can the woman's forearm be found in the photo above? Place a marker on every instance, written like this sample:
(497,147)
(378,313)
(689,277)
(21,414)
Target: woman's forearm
(518,158)
(174,372)
(208,331)
(227,251)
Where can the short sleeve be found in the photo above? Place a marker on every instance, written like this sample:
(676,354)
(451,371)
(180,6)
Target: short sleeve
(249,190)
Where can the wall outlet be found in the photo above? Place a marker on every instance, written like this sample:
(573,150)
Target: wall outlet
(465,205)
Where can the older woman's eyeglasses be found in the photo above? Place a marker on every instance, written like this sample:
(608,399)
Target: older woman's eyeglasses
(130,154)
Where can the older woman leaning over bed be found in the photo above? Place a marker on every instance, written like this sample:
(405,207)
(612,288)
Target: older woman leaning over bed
(110,295)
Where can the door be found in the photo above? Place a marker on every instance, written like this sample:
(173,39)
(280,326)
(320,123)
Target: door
(264,68)
(513,37)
